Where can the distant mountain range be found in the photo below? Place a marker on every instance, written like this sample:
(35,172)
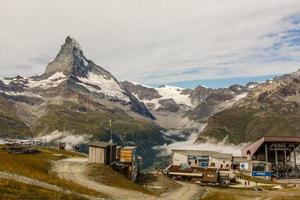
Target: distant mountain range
(270,108)
(74,100)
(175,107)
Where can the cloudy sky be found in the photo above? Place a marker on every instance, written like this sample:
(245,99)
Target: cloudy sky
(156,41)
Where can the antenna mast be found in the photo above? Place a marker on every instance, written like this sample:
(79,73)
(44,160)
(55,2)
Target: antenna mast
(110,129)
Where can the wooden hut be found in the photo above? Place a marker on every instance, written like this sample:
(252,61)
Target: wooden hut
(102,152)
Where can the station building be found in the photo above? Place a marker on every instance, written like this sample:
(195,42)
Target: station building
(272,156)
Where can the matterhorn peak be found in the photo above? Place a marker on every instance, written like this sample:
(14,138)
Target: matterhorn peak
(69,60)
(70,41)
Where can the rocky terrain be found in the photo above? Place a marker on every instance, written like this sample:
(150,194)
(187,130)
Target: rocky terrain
(270,108)
(179,108)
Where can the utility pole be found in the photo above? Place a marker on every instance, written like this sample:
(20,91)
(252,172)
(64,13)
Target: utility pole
(110,129)
(28,121)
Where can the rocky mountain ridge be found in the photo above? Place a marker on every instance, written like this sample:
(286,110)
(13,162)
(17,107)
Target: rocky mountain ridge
(183,106)
(270,108)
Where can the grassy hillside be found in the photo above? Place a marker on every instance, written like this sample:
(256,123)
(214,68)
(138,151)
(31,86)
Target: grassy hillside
(244,124)
(13,190)
(105,175)
(10,123)
(38,166)
(82,120)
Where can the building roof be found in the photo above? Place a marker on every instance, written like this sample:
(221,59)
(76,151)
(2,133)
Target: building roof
(99,144)
(253,147)
(239,159)
(129,147)
(213,154)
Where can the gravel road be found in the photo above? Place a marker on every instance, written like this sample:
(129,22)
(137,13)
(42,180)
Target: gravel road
(74,169)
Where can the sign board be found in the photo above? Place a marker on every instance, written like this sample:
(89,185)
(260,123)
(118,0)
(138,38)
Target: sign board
(261,173)
(244,166)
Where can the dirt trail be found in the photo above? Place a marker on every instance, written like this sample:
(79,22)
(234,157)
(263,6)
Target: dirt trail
(188,191)
(74,169)
(252,184)
(41,184)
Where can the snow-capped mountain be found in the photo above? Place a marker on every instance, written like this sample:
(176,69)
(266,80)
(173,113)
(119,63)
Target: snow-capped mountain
(71,72)
(176,107)
(74,101)
(156,98)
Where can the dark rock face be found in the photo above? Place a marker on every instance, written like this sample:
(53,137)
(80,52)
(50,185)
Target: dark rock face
(201,93)
(220,96)
(237,89)
(144,93)
(17,84)
(69,60)
(202,111)
(168,105)
(140,108)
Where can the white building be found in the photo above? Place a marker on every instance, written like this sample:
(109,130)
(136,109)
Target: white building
(201,159)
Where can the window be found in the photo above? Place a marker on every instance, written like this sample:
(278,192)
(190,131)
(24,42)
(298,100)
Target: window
(258,167)
(203,161)
(203,164)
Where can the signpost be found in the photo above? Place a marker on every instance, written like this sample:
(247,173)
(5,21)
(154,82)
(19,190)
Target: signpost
(261,173)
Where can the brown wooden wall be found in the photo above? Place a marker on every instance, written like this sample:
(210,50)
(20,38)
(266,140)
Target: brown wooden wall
(97,155)
(126,155)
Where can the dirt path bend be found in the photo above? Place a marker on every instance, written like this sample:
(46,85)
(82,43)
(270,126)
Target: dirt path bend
(41,184)
(188,191)
(74,169)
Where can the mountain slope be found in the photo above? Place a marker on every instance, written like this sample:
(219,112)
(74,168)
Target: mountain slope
(270,108)
(73,101)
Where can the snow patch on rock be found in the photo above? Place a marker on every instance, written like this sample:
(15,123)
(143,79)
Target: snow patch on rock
(6,81)
(175,93)
(109,86)
(52,81)
(29,94)
(167,92)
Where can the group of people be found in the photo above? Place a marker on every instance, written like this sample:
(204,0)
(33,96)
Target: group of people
(247,183)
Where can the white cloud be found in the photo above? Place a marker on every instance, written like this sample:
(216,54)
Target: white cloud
(153,41)
(190,144)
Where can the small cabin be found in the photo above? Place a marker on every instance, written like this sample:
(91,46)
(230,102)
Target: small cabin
(128,154)
(129,160)
(102,152)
